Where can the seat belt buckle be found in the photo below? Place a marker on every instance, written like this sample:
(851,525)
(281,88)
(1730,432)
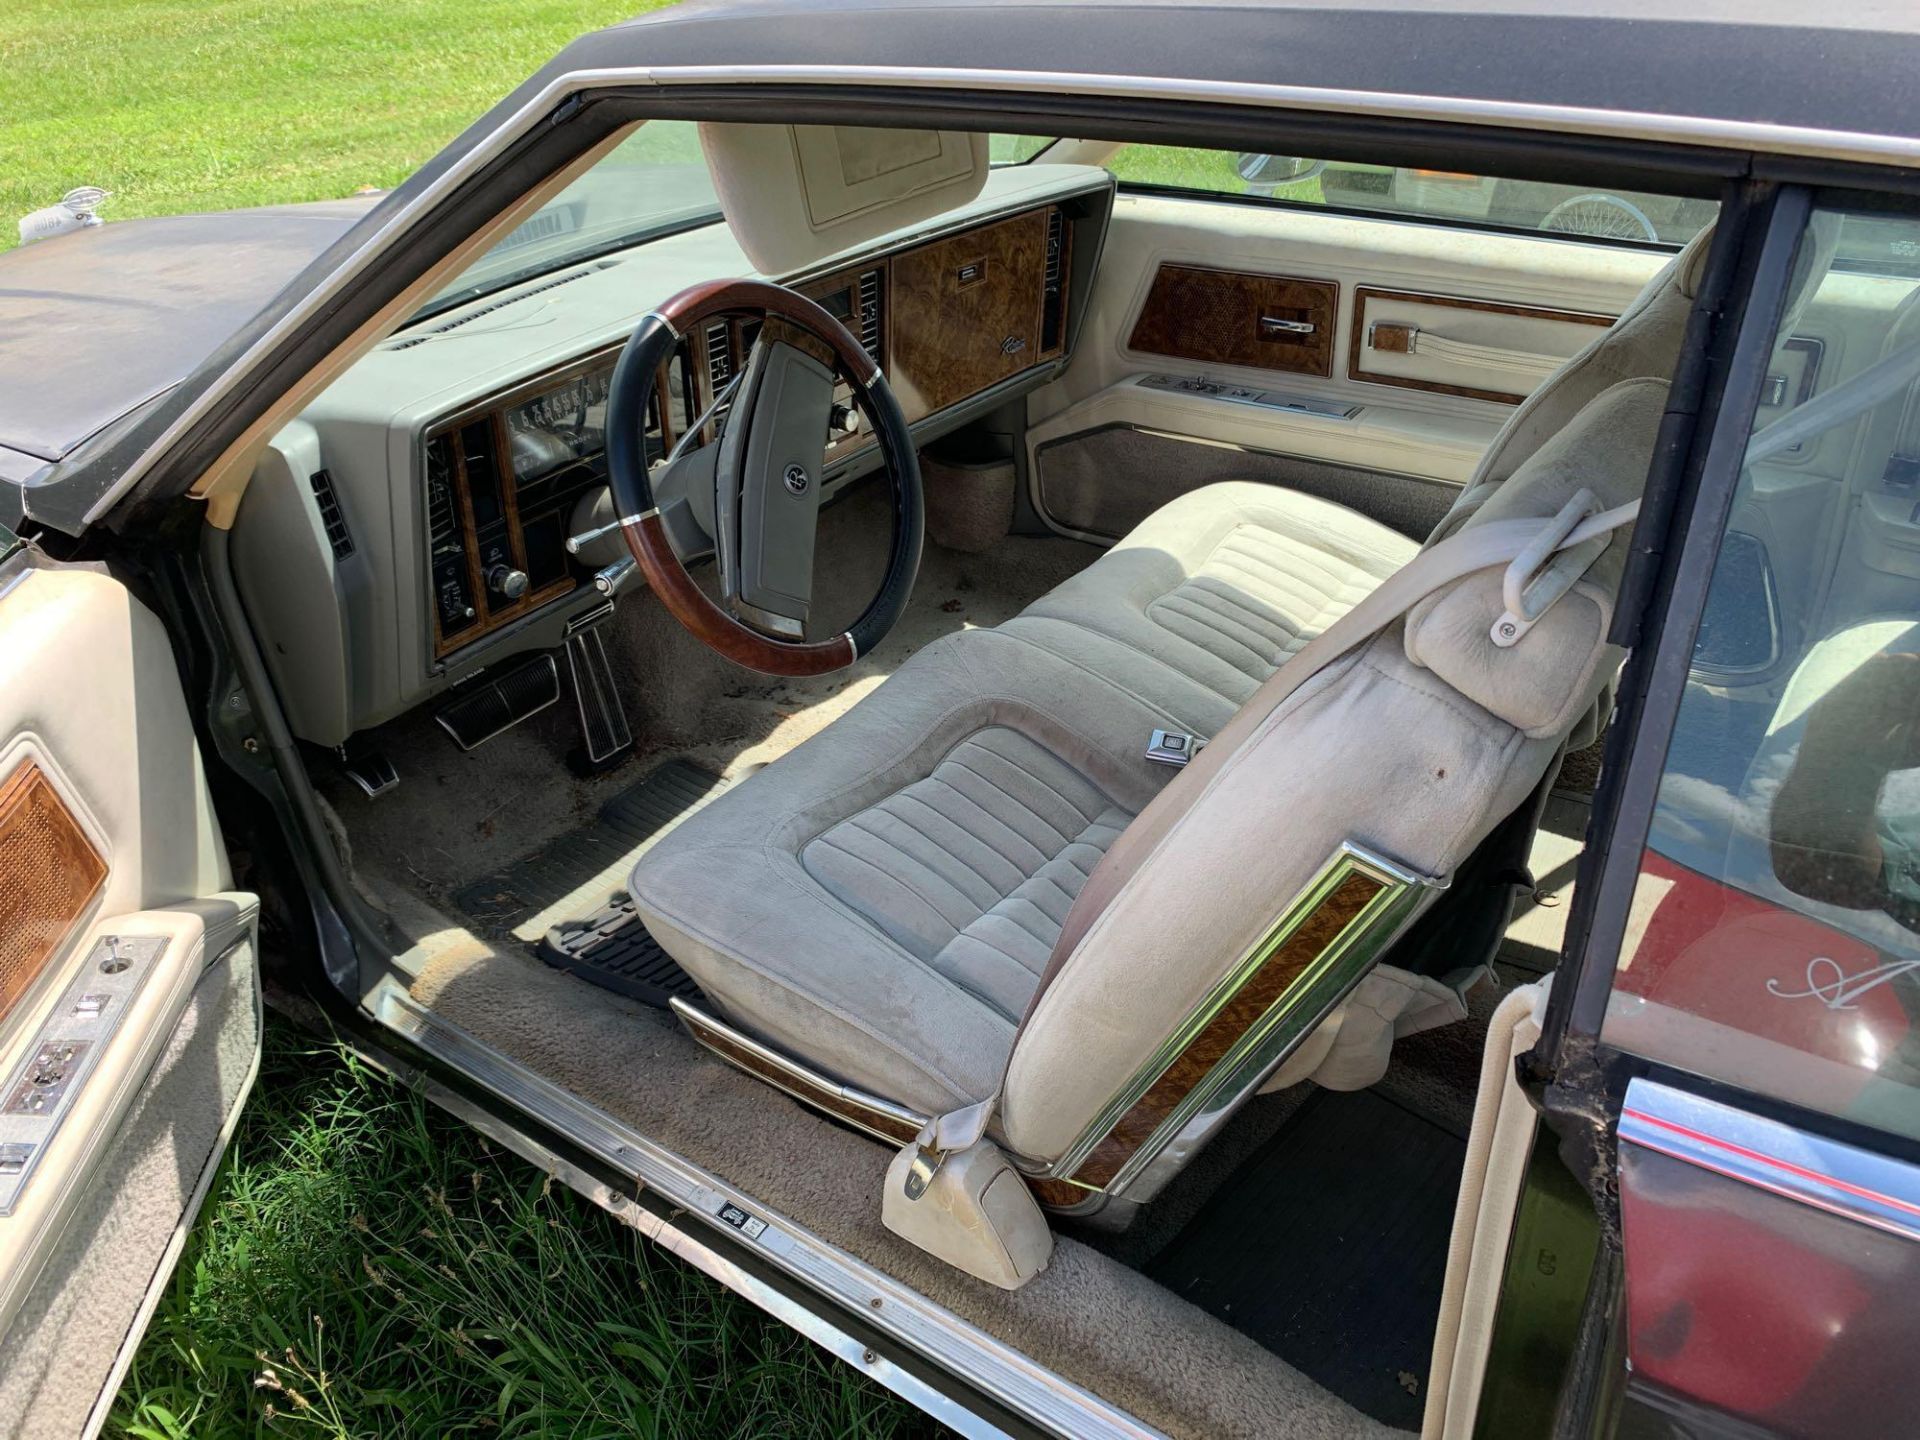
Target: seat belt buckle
(1173,747)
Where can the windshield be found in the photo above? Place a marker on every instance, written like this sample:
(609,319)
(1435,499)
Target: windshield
(652,183)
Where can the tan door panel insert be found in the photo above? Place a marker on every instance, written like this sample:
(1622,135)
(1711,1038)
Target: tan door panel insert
(49,875)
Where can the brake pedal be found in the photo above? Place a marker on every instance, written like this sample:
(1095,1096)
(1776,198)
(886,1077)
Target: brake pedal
(495,703)
(605,737)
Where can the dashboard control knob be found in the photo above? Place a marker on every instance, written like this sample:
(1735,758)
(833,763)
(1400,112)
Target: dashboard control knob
(844,420)
(507,582)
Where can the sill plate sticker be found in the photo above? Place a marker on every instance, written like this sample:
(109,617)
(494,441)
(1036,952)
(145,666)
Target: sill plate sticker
(750,1226)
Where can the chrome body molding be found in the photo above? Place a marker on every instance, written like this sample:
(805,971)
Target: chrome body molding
(1292,1016)
(1040,1397)
(803,1084)
(1840,1179)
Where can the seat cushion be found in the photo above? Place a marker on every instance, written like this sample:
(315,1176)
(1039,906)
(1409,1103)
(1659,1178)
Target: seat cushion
(880,901)
(1223,585)
(971,870)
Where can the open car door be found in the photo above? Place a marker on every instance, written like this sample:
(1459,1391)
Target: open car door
(129,992)
(1728,1060)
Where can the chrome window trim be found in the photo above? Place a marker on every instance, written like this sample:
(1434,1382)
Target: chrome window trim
(1028,1389)
(1625,125)
(1829,1175)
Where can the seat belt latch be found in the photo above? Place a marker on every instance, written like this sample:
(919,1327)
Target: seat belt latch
(921,1169)
(1173,747)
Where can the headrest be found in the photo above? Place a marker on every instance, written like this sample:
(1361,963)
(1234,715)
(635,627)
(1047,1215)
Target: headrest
(1544,682)
(795,194)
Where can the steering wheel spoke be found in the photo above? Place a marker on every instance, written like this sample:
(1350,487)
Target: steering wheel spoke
(767,492)
(751,497)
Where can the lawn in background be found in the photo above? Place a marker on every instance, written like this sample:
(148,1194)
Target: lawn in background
(365,1265)
(184,105)
(368,1266)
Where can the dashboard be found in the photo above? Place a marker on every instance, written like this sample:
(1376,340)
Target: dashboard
(411,527)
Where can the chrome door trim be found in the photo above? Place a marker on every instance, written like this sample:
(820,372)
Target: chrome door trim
(681,1242)
(1840,1179)
(1025,1387)
(1640,125)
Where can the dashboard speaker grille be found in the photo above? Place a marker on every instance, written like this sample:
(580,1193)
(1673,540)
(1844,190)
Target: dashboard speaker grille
(49,874)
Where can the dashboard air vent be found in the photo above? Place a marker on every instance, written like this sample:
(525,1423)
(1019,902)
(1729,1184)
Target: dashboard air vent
(870,313)
(332,518)
(446,545)
(1052,301)
(719,358)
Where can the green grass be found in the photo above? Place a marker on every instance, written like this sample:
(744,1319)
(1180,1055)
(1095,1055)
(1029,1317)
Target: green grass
(184,105)
(368,1266)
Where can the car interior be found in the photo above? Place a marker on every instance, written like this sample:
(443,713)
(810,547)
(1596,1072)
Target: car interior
(1099,954)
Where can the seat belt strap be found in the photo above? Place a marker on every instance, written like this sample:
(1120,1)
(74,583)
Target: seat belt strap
(1463,553)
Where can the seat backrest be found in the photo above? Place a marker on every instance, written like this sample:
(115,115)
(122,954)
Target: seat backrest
(1413,745)
(1642,342)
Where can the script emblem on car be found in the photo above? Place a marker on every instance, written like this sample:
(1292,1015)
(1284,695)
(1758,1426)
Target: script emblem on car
(796,479)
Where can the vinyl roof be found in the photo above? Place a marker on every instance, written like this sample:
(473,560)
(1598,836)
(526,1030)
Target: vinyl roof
(1712,66)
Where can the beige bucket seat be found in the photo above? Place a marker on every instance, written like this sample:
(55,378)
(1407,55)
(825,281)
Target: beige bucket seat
(881,904)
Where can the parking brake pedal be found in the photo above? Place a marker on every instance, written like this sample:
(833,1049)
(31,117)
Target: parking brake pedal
(605,738)
(371,770)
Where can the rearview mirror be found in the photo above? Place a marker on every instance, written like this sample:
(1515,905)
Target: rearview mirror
(1268,172)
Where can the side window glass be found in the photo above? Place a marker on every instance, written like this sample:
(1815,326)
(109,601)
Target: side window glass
(1775,935)
(1625,215)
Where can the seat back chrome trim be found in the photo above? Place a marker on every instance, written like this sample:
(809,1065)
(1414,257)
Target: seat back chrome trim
(1269,1001)
(1047,1401)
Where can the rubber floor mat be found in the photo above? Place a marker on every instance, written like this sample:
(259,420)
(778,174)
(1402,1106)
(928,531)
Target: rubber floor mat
(586,868)
(614,950)
(1329,1247)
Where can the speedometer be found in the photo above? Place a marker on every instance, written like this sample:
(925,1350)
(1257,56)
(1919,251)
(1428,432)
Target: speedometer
(560,426)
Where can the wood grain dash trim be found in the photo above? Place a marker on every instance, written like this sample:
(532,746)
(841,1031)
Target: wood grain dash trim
(1288,961)
(50,873)
(1357,340)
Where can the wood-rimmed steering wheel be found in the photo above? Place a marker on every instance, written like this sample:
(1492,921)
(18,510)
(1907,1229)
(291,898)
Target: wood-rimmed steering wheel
(750,497)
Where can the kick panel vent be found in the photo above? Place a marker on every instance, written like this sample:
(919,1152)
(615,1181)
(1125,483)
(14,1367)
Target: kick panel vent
(332,518)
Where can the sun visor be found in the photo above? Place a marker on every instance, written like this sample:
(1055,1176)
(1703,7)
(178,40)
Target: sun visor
(794,194)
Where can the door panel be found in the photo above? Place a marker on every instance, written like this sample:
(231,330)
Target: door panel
(1530,296)
(134,1028)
